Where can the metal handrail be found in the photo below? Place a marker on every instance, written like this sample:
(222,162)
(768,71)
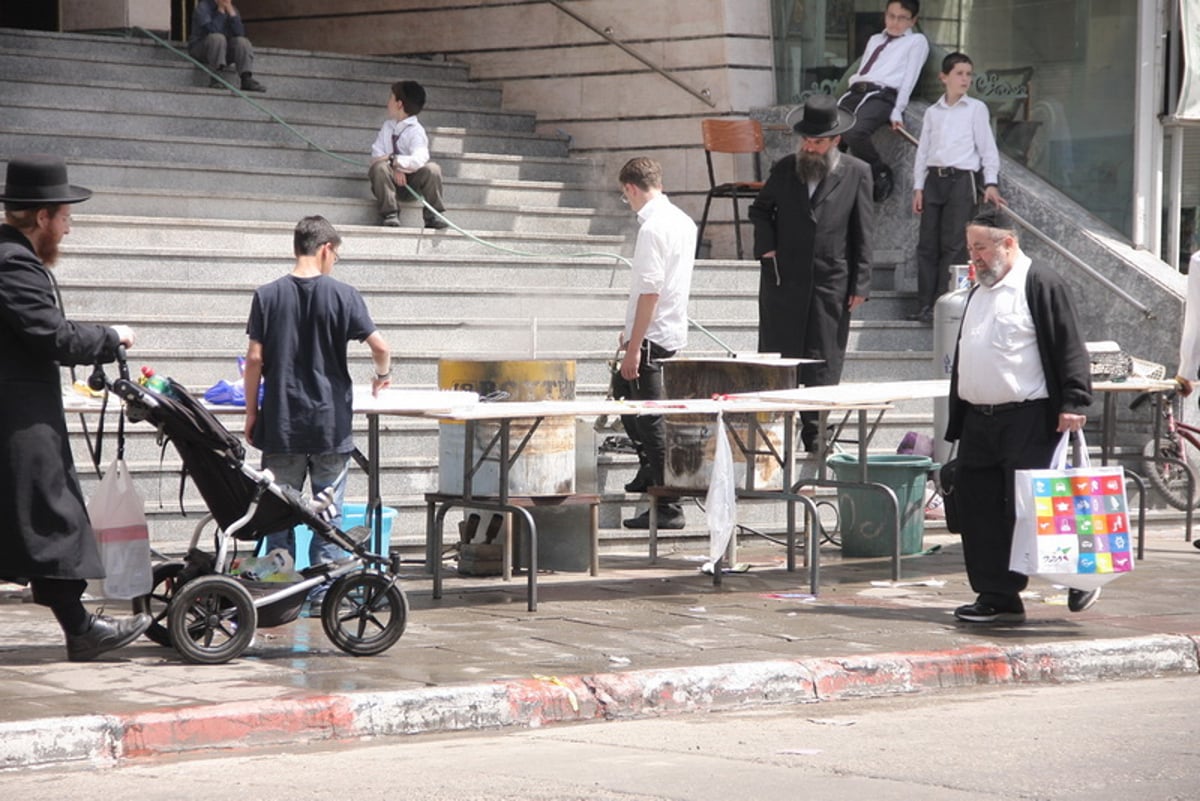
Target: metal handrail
(1068,255)
(701,94)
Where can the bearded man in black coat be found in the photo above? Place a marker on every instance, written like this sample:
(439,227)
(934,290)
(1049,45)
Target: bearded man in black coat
(46,539)
(813,222)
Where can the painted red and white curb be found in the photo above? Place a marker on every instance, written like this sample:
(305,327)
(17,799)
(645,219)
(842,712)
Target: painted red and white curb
(546,700)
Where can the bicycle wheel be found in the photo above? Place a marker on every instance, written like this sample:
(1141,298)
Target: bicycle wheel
(364,613)
(1170,478)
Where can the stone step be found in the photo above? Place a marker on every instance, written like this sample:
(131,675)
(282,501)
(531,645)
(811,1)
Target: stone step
(330,134)
(109,235)
(346,211)
(281,152)
(110,93)
(339,181)
(137,50)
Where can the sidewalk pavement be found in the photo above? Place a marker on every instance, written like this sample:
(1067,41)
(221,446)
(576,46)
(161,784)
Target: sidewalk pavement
(638,640)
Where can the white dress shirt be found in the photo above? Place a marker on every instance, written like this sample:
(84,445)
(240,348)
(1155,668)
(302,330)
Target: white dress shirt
(958,136)
(411,148)
(998,359)
(662,265)
(898,66)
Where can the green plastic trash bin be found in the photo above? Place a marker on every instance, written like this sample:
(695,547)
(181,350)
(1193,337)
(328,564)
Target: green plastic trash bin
(862,513)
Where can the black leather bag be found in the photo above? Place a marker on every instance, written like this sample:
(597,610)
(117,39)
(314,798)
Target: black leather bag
(946,480)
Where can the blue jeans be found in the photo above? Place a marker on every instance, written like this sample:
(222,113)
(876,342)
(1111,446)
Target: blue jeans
(323,470)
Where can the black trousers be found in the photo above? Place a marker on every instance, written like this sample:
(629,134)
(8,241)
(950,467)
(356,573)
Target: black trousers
(991,450)
(648,432)
(870,115)
(950,203)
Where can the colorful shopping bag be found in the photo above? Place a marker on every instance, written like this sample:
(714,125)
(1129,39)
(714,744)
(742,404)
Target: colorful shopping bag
(1072,522)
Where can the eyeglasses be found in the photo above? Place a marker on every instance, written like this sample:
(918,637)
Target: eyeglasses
(333,251)
(624,199)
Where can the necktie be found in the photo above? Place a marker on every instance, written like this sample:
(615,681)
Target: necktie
(396,143)
(875,53)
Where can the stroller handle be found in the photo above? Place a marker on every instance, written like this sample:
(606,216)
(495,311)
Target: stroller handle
(98,382)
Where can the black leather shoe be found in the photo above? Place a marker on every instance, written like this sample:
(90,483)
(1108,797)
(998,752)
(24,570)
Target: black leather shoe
(669,518)
(979,612)
(641,482)
(1081,600)
(437,224)
(106,634)
(925,315)
(884,183)
(251,85)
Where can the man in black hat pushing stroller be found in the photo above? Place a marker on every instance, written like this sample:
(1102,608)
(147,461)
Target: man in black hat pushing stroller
(45,536)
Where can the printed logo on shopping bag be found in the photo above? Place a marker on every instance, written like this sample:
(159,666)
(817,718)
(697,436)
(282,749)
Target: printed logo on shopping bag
(1057,554)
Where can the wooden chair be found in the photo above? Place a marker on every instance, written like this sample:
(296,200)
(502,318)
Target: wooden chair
(733,137)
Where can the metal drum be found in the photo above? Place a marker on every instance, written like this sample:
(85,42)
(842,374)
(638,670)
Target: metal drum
(947,319)
(547,463)
(691,446)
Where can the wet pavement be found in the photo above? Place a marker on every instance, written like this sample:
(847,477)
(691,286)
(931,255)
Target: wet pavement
(634,619)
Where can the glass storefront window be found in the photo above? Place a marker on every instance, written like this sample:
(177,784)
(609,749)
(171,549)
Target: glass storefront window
(1058,75)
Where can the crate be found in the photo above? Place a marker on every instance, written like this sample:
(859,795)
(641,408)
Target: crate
(353,514)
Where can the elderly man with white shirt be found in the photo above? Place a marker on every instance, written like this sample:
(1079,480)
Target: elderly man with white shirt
(656,322)
(1021,375)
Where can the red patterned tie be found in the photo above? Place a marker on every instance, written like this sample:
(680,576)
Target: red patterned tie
(876,52)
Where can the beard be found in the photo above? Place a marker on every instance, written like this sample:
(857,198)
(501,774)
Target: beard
(813,167)
(47,251)
(990,273)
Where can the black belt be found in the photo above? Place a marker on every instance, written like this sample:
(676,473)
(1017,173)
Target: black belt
(863,87)
(948,172)
(991,409)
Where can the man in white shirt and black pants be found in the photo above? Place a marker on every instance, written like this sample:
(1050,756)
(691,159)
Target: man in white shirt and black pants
(656,322)
(956,145)
(1021,377)
(879,90)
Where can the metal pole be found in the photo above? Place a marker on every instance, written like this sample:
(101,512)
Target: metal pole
(1175,198)
(1147,209)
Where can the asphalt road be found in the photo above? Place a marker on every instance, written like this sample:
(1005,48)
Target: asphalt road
(1096,742)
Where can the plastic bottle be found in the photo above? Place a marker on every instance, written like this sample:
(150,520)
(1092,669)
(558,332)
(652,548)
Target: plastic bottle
(154,382)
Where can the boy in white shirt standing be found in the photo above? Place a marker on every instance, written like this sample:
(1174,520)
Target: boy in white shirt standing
(956,144)
(879,90)
(400,158)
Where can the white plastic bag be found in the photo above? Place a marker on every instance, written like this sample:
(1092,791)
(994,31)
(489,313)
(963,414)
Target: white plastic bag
(721,501)
(118,517)
(1072,524)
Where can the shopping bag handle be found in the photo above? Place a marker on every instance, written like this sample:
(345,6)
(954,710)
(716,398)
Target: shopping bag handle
(1059,461)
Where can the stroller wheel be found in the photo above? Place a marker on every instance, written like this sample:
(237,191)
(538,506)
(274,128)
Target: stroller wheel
(211,620)
(364,613)
(157,603)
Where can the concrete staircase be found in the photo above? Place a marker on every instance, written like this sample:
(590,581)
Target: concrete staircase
(197,192)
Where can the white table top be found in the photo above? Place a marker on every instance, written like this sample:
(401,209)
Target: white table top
(856,395)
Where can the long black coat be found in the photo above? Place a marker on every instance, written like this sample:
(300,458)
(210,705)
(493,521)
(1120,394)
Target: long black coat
(823,256)
(44,528)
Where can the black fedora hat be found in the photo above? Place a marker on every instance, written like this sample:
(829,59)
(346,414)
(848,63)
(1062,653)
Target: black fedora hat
(39,180)
(820,116)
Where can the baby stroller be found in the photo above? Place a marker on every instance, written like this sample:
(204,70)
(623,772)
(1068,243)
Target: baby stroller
(210,616)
